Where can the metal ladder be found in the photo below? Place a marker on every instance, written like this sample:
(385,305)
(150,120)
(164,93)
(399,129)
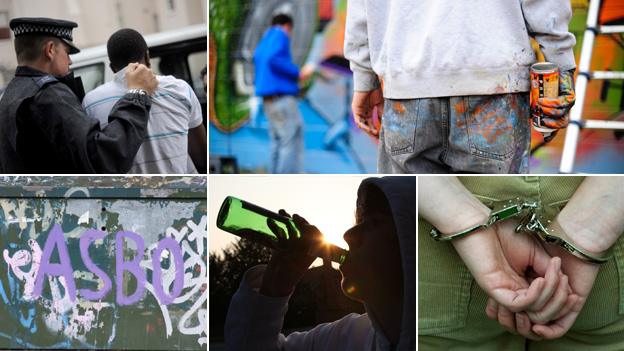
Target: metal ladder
(576,120)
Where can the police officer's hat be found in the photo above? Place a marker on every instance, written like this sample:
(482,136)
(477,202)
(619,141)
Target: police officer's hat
(45,26)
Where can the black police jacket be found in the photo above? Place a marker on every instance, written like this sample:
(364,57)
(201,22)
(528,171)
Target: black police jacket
(44,129)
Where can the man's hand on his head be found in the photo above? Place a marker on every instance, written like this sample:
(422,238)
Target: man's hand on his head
(141,77)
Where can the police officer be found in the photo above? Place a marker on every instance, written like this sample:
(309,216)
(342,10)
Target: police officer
(43,127)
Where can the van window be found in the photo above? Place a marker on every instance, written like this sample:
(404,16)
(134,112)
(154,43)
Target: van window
(171,65)
(181,66)
(182,59)
(92,76)
(197,62)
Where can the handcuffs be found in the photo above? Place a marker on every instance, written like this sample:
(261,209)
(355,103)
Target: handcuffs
(530,223)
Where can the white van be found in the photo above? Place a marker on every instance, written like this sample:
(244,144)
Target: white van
(181,53)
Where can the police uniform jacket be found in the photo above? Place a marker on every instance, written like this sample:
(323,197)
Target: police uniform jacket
(44,129)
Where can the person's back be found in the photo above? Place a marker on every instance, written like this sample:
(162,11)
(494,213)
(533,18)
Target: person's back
(275,80)
(455,80)
(461,49)
(43,127)
(175,110)
(275,73)
(176,139)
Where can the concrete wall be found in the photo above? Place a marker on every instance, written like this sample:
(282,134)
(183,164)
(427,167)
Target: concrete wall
(139,243)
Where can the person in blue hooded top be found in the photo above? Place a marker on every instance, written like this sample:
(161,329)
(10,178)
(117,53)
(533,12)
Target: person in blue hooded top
(276,82)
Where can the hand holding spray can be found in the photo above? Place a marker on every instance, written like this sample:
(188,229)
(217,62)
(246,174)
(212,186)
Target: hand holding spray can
(544,83)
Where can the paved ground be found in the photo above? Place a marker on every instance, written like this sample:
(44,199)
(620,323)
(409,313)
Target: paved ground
(354,152)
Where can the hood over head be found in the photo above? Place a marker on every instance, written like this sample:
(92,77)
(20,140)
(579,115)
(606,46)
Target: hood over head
(400,192)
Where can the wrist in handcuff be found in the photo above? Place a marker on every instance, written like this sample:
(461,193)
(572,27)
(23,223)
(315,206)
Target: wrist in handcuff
(499,213)
(573,247)
(588,230)
(549,232)
(472,214)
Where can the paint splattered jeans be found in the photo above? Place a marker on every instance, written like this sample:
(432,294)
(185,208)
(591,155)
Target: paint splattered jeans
(463,134)
(286,132)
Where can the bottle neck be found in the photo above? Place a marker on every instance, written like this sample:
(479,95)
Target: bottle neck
(332,252)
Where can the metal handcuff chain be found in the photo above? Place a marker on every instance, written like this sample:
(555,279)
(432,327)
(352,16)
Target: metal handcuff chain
(531,224)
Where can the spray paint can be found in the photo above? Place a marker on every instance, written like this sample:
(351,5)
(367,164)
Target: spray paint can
(544,83)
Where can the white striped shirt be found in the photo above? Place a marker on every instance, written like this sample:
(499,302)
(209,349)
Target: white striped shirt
(175,110)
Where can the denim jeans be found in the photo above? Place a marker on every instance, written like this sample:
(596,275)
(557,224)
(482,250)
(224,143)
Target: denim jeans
(286,132)
(463,134)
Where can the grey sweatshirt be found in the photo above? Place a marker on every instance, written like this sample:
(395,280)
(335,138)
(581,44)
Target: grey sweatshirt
(435,48)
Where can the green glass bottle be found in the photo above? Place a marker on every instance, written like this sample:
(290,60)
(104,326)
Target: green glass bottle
(249,221)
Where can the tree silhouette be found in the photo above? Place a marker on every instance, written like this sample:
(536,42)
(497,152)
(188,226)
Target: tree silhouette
(226,270)
(317,297)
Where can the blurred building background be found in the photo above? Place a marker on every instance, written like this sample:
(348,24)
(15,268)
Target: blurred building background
(97,20)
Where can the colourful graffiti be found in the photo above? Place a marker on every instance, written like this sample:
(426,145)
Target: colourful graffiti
(235,27)
(239,129)
(599,151)
(119,263)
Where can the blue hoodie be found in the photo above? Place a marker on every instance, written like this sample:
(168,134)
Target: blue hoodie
(276,74)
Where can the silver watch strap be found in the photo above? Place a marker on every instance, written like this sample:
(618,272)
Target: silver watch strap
(137,91)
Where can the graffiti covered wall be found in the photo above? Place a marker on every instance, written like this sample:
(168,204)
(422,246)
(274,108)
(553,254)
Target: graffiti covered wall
(239,128)
(103,263)
(236,26)
(599,151)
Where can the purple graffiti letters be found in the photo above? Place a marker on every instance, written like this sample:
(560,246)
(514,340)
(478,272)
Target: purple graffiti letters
(62,269)
(130,266)
(157,278)
(161,281)
(85,240)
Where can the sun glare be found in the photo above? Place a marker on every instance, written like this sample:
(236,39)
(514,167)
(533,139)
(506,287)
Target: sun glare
(333,232)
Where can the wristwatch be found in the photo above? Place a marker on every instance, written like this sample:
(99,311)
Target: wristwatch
(137,91)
